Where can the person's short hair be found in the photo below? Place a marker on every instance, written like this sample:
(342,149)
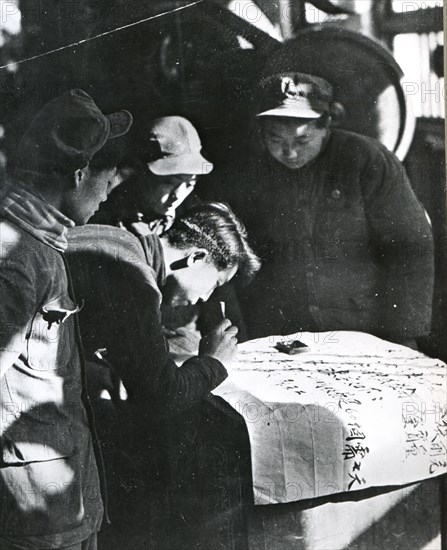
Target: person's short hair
(106,158)
(322,121)
(214,227)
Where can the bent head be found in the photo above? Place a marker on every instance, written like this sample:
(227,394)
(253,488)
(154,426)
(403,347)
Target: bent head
(195,280)
(70,152)
(294,142)
(93,183)
(164,194)
(204,250)
(91,188)
(295,111)
(166,164)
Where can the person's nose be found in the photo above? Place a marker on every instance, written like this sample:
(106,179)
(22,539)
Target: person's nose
(182,190)
(117,179)
(289,152)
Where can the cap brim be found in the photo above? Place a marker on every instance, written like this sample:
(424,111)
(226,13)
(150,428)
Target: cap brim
(120,123)
(192,164)
(294,111)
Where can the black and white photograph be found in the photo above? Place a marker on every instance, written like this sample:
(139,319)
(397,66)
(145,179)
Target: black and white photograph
(223,275)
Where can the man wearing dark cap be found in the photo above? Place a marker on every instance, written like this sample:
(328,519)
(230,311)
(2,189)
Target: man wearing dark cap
(49,485)
(160,174)
(345,242)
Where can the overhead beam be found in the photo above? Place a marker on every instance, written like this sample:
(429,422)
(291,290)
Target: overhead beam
(418,21)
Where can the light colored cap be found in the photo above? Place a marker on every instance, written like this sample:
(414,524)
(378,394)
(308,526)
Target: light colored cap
(175,148)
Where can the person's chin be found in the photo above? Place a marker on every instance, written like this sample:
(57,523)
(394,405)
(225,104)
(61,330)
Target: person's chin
(175,301)
(292,165)
(183,303)
(81,220)
(88,217)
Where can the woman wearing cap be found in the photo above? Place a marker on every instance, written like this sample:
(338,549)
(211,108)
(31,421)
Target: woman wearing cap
(161,173)
(345,242)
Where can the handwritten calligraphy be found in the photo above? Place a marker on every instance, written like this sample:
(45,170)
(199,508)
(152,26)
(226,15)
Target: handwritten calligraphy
(387,402)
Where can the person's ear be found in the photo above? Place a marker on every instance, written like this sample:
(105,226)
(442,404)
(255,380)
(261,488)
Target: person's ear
(124,173)
(198,255)
(80,175)
(259,135)
(337,113)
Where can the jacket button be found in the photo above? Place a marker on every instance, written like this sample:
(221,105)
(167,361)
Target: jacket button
(336,194)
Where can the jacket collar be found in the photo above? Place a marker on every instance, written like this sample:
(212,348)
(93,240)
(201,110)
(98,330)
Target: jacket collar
(31,212)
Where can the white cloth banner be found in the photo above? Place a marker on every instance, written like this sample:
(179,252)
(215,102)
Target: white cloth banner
(349,412)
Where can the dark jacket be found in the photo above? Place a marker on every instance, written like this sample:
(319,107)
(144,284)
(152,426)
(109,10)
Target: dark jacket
(345,243)
(121,289)
(49,486)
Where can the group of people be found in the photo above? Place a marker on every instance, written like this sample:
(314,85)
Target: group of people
(337,240)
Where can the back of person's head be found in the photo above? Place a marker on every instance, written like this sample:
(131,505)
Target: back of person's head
(214,227)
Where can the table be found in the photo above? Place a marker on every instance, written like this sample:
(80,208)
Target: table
(350,412)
